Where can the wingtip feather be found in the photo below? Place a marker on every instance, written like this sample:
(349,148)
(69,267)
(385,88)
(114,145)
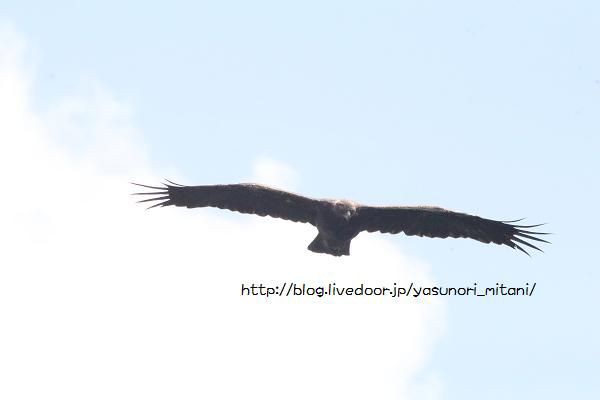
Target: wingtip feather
(526,243)
(173,183)
(153,199)
(146,186)
(520,248)
(164,203)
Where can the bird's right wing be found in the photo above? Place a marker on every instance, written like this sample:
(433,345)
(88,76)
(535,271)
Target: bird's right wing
(245,198)
(441,223)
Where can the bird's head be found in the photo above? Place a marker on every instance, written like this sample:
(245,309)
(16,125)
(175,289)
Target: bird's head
(344,209)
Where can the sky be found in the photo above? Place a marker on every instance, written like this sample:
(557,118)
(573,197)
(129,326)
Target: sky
(490,109)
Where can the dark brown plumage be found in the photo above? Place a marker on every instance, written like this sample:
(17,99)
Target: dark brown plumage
(339,221)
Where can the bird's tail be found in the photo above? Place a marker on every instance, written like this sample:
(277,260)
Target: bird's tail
(335,248)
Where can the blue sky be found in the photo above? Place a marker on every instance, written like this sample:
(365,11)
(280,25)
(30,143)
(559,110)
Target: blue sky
(487,108)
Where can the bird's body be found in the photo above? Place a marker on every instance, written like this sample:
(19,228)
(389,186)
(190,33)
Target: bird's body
(336,230)
(340,221)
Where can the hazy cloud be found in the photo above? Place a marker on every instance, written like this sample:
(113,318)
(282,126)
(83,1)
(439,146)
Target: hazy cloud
(274,173)
(102,299)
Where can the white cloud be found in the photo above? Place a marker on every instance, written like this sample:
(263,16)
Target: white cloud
(102,299)
(271,172)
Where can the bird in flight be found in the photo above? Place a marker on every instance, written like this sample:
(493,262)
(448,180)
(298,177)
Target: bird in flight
(340,221)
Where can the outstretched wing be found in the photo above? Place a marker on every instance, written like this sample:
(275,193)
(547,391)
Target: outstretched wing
(246,198)
(441,223)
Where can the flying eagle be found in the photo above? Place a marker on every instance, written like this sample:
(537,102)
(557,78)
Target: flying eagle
(339,221)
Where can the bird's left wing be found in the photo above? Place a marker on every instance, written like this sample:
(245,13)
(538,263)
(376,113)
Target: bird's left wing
(246,198)
(442,223)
